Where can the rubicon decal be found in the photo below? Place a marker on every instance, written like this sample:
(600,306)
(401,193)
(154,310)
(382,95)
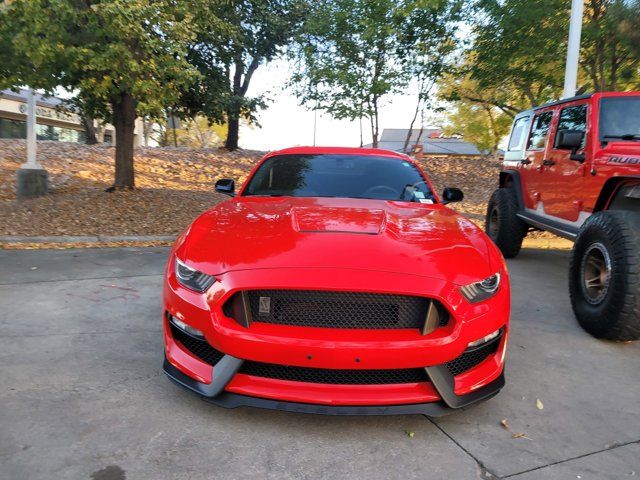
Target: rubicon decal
(625,160)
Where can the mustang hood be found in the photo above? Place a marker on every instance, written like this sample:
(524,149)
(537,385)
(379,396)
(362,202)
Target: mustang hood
(377,235)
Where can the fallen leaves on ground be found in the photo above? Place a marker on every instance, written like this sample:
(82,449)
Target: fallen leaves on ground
(174,185)
(505,424)
(539,404)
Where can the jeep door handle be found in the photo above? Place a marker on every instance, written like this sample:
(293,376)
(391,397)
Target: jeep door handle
(526,161)
(548,163)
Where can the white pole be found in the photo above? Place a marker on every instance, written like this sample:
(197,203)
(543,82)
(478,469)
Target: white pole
(315,121)
(573,49)
(32,163)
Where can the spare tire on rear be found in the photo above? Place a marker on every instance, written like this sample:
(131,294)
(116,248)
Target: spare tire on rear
(604,275)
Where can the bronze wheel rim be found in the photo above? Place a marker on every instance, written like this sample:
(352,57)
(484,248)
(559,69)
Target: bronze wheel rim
(595,273)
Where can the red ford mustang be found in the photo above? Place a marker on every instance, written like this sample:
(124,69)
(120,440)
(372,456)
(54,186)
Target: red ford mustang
(336,281)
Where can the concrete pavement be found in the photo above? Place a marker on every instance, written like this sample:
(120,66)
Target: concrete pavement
(83,395)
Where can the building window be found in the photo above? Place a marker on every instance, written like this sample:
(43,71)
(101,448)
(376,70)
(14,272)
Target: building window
(18,129)
(12,128)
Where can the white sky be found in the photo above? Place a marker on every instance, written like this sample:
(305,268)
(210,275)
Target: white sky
(285,123)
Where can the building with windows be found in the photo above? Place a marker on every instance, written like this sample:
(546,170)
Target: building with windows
(431,142)
(53,120)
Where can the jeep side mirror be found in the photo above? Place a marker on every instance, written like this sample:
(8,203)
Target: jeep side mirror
(452,195)
(226,186)
(570,140)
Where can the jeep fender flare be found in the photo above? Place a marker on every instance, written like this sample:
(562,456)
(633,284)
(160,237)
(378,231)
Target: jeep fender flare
(609,190)
(510,177)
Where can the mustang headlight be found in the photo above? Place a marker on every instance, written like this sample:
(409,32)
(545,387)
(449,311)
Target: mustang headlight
(192,278)
(479,291)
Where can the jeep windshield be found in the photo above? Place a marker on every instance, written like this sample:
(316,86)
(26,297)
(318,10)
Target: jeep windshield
(344,176)
(619,118)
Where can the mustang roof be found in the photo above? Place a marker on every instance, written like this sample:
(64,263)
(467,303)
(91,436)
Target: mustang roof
(338,151)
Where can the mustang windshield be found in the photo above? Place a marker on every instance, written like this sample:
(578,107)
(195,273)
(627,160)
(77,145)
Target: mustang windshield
(620,118)
(346,176)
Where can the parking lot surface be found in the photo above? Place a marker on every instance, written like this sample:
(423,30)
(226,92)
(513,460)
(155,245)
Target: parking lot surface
(83,395)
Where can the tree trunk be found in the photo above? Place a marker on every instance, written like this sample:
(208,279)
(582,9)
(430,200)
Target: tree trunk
(89,130)
(124,118)
(233,112)
(233,129)
(374,134)
(405,148)
(374,123)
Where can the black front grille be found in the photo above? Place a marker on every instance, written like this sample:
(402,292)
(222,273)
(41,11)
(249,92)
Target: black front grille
(331,376)
(200,348)
(473,358)
(357,310)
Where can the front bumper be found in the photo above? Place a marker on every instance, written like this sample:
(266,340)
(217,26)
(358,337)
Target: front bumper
(440,378)
(230,383)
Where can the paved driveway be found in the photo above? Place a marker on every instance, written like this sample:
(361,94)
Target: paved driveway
(83,395)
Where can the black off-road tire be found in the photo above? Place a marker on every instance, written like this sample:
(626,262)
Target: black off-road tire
(502,223)
(604,275)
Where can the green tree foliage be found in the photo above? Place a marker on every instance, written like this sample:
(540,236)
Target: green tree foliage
(610,56)
(475,115)
(515,58)
(353,53)
(520,46)
(253,32)
(124,57)
(198,132)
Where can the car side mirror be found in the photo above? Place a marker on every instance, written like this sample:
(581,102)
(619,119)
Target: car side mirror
(570,140)
(450,195)
(226,186)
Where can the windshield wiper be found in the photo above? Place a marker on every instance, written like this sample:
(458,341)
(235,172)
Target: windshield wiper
(625,136)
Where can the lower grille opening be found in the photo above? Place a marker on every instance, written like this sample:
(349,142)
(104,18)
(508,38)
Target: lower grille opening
(473,358)
(331,376)
(200,348)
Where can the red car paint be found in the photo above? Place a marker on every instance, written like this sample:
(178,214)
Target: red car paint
(338,245)
(569,191)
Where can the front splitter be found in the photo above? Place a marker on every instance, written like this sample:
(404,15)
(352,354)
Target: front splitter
(441,381)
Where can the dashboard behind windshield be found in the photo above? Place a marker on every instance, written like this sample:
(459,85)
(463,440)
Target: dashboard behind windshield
(344,176)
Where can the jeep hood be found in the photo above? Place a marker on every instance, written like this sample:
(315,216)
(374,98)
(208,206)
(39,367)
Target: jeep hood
(284,232)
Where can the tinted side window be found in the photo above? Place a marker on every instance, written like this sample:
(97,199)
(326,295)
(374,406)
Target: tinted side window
(573,118)
(518,133)
(540,130)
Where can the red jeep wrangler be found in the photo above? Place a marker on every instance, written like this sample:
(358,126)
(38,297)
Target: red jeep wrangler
(573,168)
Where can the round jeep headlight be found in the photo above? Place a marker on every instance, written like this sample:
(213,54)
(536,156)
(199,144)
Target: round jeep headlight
(192,278)
(479,291)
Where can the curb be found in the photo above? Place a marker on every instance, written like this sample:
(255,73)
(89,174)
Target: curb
(89,239)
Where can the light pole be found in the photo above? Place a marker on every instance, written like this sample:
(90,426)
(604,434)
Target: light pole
(573,49)
(315,122)
(32,162)
(32,179)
